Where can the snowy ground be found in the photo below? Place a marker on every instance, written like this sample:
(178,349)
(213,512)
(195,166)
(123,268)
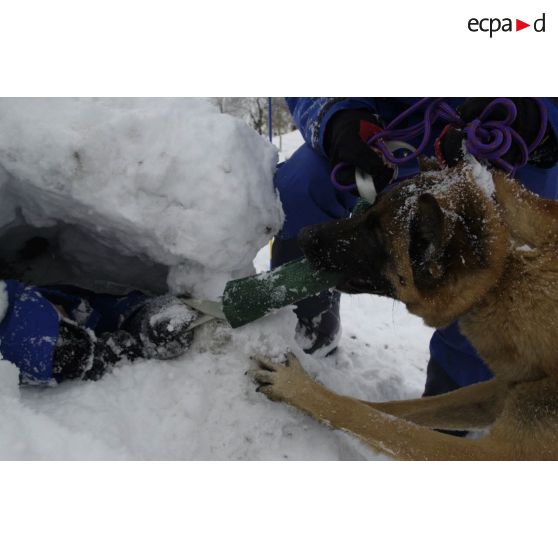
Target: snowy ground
(202,406)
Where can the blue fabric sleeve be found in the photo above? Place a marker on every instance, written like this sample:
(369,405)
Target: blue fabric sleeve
(30,328)
(99,312)
(112,310)
(311,114)
(459,359)
(306,192)
(28,333)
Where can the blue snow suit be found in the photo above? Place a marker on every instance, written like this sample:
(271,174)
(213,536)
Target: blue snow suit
(308,197)
(30,327)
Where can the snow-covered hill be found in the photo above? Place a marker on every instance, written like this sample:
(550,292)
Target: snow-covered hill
(202,406)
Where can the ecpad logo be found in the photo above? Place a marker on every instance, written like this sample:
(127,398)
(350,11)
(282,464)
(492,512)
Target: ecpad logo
(494,24)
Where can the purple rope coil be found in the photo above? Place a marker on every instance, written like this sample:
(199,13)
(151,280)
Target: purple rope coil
(485,139)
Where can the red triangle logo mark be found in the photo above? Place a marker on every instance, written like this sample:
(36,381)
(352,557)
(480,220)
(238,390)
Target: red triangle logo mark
(519,25)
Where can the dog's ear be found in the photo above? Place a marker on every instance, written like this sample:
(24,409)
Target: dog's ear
(430,233)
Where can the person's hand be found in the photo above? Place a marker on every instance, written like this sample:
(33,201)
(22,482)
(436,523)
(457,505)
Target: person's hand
(449,145)
(345,142)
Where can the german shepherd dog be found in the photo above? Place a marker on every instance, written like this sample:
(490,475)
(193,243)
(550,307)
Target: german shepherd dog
(462,244)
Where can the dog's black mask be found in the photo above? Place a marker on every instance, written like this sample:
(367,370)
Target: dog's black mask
(353,247)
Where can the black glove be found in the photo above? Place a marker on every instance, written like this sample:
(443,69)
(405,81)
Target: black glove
(345,142)
(161,325)
(526,124)
(80,354)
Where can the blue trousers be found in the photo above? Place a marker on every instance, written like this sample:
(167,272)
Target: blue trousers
(308,197)
(30,329)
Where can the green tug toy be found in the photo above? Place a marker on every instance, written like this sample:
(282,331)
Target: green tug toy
(247,299)
(250,298)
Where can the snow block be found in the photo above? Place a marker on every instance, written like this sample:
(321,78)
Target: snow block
(133,193)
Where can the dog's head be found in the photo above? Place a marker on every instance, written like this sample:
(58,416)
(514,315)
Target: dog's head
(436,242)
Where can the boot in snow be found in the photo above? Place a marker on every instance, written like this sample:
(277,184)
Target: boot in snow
(319,325)
(319,328)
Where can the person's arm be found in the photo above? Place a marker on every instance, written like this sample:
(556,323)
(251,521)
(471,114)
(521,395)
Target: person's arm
(312,114)
(339,129)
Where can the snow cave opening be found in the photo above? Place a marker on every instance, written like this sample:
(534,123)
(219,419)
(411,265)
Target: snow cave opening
(70,254)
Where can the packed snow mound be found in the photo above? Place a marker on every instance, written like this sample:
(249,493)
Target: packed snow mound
(132,188)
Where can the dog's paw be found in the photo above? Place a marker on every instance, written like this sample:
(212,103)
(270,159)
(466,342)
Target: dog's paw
(280,382)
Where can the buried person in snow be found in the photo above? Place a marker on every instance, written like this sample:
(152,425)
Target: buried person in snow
(336,131)
(57,333)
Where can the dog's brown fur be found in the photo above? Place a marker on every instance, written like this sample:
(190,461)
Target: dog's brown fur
(492,264)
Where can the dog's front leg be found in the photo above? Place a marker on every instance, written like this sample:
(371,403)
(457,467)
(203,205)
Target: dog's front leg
(394,436)
(468,408)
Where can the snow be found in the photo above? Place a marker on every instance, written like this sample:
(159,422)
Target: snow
(482,176)
(525,248)
(202,405)
(287,144)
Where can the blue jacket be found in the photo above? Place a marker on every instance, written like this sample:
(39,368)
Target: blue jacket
(29,331)
(311,114)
